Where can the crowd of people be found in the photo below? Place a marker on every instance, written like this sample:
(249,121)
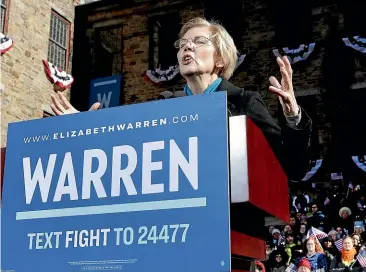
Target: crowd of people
(326,232)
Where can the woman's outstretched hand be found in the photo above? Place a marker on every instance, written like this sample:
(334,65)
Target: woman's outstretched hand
(61,106)
(285,90)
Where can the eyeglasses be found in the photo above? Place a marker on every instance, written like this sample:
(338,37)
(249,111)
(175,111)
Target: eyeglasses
(198,41)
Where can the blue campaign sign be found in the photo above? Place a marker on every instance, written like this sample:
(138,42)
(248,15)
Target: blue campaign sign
(134,188)
(106,91)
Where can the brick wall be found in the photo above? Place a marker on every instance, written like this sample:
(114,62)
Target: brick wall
(257,41)
(136,43)
(25,88)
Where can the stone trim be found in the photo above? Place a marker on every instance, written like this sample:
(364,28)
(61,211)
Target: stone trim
(60,12)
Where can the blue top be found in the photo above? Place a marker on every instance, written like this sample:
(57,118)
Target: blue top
(318,261)
(210,89)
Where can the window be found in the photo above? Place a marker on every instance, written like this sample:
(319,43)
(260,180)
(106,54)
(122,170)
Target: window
(4,15)
(229,15)
(354,17)
(299,31)
(58,47)
(163,30)
(108,55)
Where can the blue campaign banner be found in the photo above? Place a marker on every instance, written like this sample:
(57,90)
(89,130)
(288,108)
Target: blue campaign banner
(133,188)
(106,91)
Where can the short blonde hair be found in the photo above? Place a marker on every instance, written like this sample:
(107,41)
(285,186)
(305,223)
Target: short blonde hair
(221,39)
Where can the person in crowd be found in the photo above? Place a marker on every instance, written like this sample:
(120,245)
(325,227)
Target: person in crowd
(269,250)
(298,218)
(346,260)
(314,255)
(333,235)
(302,233)
(287,229)
(300,201)
(318,200)
(269,233)
(330,250)
(304,219)
(207,57)
(275,237)
(346,221)
(292,249)
(304,265)
(293,221)
(316,217)
(340,233)
(277,261)
(359,227)
(357,241)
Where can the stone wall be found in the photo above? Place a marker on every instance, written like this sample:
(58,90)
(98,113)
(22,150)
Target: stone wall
(25,88)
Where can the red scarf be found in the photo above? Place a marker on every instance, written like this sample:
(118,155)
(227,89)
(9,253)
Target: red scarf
(348,255)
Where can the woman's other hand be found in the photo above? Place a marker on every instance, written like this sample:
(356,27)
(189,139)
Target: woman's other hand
(285,90)
(61,106)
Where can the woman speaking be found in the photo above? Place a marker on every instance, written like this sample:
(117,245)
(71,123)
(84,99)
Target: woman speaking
(207,57)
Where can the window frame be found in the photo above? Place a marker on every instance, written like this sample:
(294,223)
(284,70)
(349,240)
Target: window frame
(97,40)
(6,17)
(68,42)
(152,19)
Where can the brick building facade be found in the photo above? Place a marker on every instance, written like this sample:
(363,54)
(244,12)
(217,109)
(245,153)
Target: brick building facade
(40,30)
(329,84)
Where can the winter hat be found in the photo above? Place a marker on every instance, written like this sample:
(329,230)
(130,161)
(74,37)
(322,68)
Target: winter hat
(305,263)
(276,231)
(359,224)
(345,209)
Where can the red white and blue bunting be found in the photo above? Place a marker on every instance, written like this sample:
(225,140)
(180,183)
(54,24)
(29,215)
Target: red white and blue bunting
(5,43)
(315,167)
(360,161)
(295,55)
(158,76)
(357,42)
(240,60)
(56,76)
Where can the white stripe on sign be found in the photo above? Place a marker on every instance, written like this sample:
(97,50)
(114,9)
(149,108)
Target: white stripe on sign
(105,83)
(116,208)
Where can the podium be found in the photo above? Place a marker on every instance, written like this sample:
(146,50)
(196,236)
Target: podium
(257,187)
(259,191)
